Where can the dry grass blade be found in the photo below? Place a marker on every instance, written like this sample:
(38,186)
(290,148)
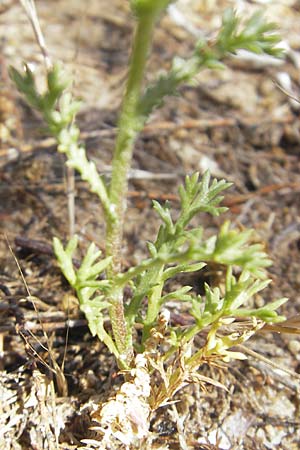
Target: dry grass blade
(53,366)
(269,362)
(31,12)
(289,326)
(30,9)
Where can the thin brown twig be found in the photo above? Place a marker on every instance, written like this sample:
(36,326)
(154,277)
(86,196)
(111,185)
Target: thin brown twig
(265,190)
(39,247)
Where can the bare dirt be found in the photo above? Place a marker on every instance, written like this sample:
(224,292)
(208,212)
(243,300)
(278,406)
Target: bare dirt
(236,122)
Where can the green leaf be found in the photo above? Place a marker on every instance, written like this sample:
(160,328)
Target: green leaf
(93,310)
(266,313)
(164,213)
(257,35)
(103,285)
(232,247)
(199,197)
(241,292)
(25,84)
(182,268)
(213,301)
(152,249)
(57,82)
(90,257)
(179,294)
(72,246)
(95,270)
(64,258)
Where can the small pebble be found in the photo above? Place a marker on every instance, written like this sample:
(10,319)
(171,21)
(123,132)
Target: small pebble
(294,347)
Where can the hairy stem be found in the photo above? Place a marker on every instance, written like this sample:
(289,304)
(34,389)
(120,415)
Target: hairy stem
(153,305)
(129,127)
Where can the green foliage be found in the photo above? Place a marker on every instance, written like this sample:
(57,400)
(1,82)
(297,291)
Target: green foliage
(59,110)
(26,85)
(256,35)
(57,82)
(181,245)
(178,248)
(89,289)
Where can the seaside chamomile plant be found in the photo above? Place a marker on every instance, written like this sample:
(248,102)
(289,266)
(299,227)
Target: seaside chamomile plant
(159,346)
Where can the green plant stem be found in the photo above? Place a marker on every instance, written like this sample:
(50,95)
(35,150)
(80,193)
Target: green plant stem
(153,304)
(129,127)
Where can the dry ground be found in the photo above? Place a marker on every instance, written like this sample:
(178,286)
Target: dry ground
(236,122)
